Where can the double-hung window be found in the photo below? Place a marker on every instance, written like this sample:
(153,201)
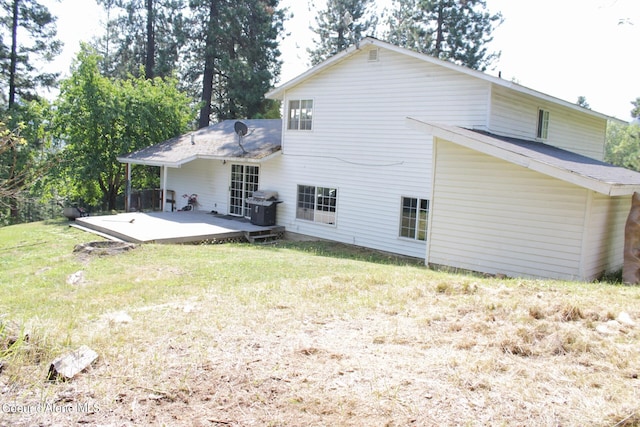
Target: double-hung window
(543,124)
(317,204)
(300,114)
(414,218)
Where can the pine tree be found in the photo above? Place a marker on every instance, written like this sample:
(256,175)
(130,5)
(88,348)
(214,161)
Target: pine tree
(341,24)
(142,33)
(233,52)
(406,27)
(31,29)
(453,30)
(20,77)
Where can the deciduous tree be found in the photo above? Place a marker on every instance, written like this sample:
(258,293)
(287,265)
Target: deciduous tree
(100,118)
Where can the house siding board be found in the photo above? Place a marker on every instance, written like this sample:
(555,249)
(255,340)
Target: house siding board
(361,145)
(507,219)
(605,235)
(206,178)
(368,210)
(515,114)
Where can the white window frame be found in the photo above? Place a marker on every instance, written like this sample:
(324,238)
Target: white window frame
(542,131)
(300,114)
(317,204)
(414,224)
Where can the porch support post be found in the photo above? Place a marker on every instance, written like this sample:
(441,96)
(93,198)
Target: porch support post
(127,200)
(164,188)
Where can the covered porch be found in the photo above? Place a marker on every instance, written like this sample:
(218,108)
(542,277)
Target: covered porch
(217,166)
(175,227)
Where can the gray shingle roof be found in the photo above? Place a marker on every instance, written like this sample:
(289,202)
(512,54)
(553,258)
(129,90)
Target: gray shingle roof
(565,165)
(566,160)
(218,141)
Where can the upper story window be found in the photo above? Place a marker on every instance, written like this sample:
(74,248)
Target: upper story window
(300,114)
(543,124)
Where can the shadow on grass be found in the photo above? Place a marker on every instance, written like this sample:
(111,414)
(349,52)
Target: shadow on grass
(344,251)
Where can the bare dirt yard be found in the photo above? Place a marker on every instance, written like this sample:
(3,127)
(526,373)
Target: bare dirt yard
(320,341)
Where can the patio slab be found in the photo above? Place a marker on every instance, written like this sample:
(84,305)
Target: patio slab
(168,227)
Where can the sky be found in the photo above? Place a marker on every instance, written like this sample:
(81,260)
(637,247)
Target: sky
(563,48)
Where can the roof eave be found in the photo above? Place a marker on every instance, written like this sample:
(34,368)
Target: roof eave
(243,159)
(606,188)
(145,162)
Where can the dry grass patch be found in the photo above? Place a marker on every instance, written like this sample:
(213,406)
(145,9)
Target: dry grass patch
(307,335)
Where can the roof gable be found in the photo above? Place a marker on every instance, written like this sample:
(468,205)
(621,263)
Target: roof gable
(278,93)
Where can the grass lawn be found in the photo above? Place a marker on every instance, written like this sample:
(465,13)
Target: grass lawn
(303,334)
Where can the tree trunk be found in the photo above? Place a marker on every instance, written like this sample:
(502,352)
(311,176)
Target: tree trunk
(13,201)
(14,54)
(209,65)
(151,44)
(439,32)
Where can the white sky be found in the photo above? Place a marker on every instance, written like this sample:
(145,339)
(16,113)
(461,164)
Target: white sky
(564,48)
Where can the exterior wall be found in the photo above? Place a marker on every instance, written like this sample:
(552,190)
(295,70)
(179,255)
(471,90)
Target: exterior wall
(209,179)
(516,115)
(604,237)
(360,143)
(501,218)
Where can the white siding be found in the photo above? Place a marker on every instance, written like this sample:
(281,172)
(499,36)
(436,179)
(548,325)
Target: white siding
(361,145)
(492,216)
(516,115)
(604,235)
(209,179)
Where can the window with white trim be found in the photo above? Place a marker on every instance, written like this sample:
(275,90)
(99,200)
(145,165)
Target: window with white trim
(414,218)
(543,124)
(317,204)
(300,114)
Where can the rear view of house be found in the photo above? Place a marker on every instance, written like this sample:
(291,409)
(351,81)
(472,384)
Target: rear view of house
(393,150)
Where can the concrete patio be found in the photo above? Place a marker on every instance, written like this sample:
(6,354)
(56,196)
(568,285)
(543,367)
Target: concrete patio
(173,227)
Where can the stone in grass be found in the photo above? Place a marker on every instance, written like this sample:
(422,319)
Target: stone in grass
(68,366)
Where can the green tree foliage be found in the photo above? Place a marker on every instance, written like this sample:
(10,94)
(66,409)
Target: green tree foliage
(341,24)
(99,119)
(10,182)
(233,52)
(582,101)
(623,145)
(635,113)
(30,30)
(25,157)
(406,26)
(27,38)
(453,30)
(147,33)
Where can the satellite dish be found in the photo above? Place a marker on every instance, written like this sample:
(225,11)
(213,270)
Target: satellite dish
(240,128)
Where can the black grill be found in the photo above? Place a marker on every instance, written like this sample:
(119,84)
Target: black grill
(263,207)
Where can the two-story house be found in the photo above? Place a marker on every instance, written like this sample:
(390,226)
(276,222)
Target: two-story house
(393,150)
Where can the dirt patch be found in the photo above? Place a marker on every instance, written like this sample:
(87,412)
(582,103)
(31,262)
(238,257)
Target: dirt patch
(106,247)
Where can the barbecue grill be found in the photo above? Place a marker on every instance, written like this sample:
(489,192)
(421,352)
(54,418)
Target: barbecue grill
(263,207)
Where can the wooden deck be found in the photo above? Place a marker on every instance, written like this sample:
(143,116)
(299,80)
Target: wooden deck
(174,227)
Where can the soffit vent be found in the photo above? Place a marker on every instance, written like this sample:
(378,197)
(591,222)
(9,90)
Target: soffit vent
(373,55)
